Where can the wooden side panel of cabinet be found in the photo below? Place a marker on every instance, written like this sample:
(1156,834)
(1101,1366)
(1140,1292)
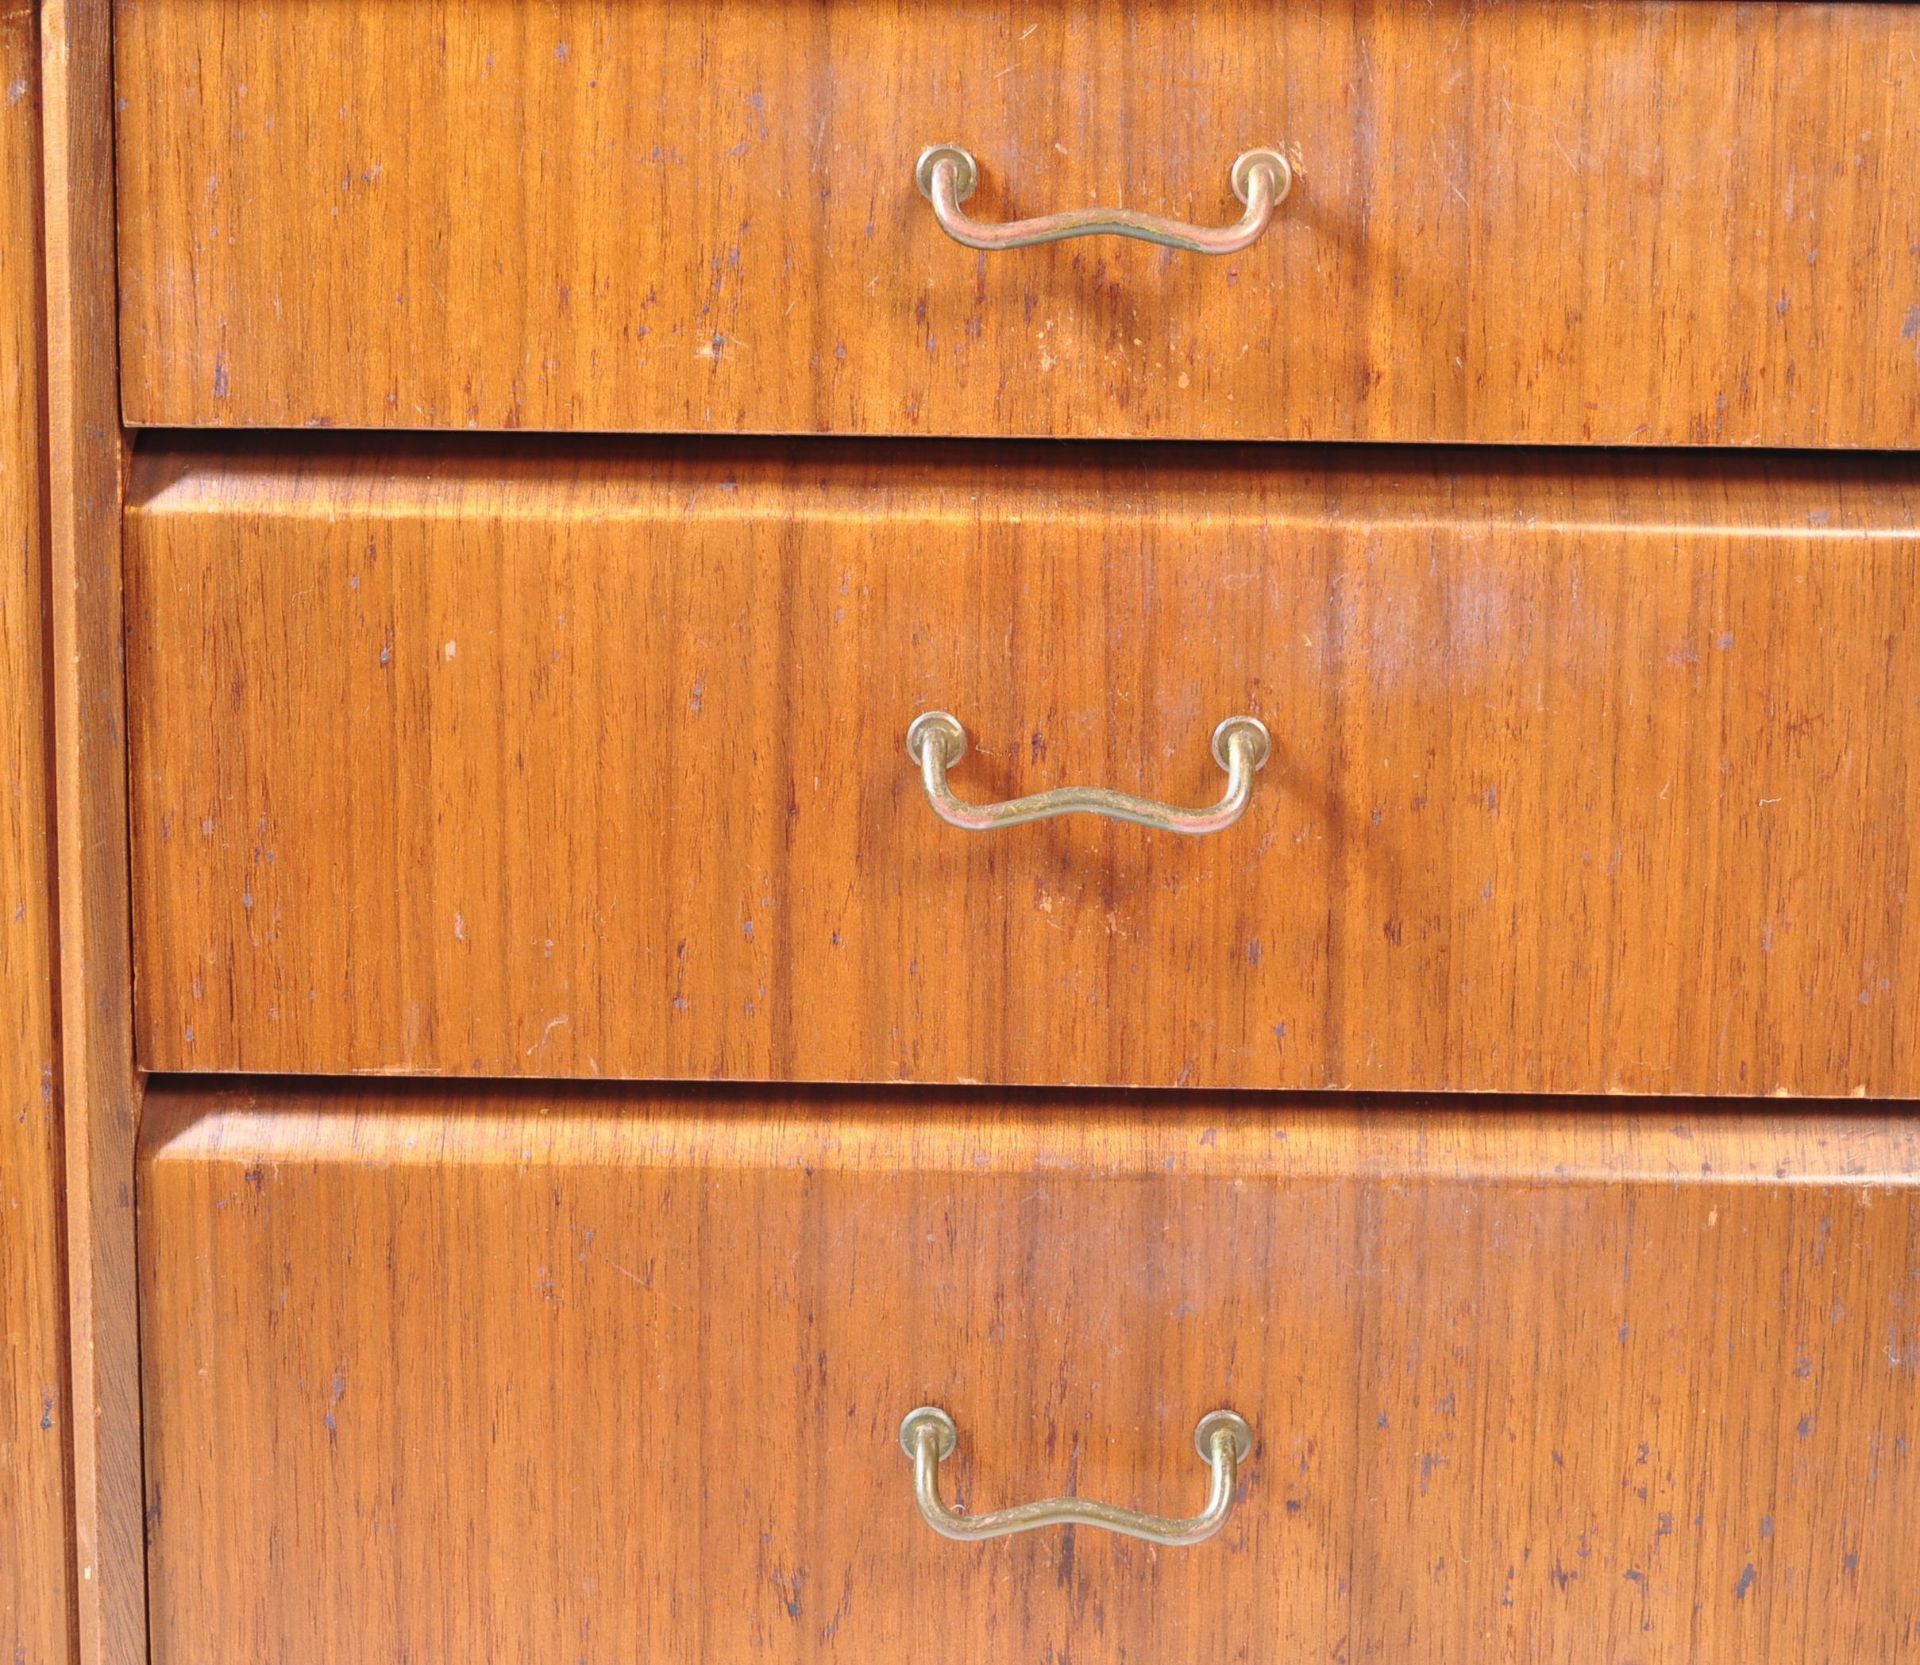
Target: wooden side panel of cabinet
(1589,775)
(99,1086)
(35,1412)
(487,1376)
(1636,222)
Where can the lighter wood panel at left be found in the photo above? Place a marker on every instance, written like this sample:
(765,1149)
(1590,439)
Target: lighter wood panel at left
(34,1594)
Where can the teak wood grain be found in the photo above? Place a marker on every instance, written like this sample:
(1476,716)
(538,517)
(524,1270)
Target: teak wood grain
(1621,223)
(99,1086)
(1588,776)
(487,1377)
(35,1405)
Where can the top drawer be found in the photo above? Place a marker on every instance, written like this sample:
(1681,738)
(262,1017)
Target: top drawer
(1613,223)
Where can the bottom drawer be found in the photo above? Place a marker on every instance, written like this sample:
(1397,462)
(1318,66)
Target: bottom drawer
(536,1377)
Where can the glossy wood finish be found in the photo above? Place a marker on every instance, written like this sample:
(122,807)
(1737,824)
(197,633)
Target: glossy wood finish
(1625,223)
(1588,776)
(35,1406)
(98,1083)
(453,1378)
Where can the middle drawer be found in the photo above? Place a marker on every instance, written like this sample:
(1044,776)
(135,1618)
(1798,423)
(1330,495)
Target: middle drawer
(1586,776)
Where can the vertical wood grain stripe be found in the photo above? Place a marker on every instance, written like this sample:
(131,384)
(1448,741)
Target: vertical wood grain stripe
(36,1403)
(99,1088)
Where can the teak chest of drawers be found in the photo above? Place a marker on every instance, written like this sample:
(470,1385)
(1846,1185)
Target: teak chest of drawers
(1128,857)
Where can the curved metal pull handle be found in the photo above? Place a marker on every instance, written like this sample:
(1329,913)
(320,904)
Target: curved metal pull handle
(1241,746)
(1223,1440)
(947,175)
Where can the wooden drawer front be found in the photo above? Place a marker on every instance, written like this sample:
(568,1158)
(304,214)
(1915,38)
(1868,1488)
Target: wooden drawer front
(444,1380)
(1585,778)
(1619,223)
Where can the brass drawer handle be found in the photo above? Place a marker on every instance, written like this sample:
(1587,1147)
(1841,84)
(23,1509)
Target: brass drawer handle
(947,175)
(1241,746)
(1223,1440)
